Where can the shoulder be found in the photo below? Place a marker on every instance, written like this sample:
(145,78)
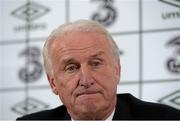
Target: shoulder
(53,114)
(146,110)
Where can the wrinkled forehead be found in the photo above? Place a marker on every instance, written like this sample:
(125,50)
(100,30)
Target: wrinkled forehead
(79,41)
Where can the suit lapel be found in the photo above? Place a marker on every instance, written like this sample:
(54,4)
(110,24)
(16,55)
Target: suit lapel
(122,110)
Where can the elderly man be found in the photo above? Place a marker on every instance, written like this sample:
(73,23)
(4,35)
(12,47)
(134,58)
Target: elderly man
(83,68)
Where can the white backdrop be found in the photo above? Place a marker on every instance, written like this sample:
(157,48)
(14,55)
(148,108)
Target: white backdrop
(146,31)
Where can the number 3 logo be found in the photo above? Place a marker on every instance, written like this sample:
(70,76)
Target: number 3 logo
(173,64)
(110,15)
(33,68)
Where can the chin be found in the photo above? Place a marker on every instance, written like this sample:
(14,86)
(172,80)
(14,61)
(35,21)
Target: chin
(87,113)
(87,107)
(89,110)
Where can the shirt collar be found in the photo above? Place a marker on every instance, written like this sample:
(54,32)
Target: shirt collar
(110,118)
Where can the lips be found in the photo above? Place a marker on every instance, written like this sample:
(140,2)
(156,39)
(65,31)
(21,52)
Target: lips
(87,93)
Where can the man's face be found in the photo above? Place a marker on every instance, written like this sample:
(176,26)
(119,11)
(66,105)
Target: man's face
(85,74)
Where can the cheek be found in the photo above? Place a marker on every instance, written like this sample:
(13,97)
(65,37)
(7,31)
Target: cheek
(66,87)
(106,79)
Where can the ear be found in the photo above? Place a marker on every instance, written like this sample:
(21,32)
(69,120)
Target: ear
(118,72)
(52,84)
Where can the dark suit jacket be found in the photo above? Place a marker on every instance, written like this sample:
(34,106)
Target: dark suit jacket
(127,107)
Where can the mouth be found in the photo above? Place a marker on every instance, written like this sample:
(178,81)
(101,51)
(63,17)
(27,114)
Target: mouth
(87,93)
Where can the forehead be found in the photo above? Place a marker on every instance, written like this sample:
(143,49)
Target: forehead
(80,42)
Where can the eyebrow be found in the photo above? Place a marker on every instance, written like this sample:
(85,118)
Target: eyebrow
(71,60)
(68,60)
(97,54)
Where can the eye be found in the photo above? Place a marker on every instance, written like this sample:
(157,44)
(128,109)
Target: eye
(71,68)
(96,64)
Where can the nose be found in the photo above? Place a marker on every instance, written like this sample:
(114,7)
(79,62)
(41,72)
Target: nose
(86,79)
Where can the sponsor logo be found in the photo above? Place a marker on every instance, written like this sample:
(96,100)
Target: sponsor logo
(169,15)
(172,99)
(29,105)
(28,13)
(107,14)
(175,3)
(173,63)
(33,69)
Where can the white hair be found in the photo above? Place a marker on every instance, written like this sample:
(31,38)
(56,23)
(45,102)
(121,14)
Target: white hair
(82,26)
